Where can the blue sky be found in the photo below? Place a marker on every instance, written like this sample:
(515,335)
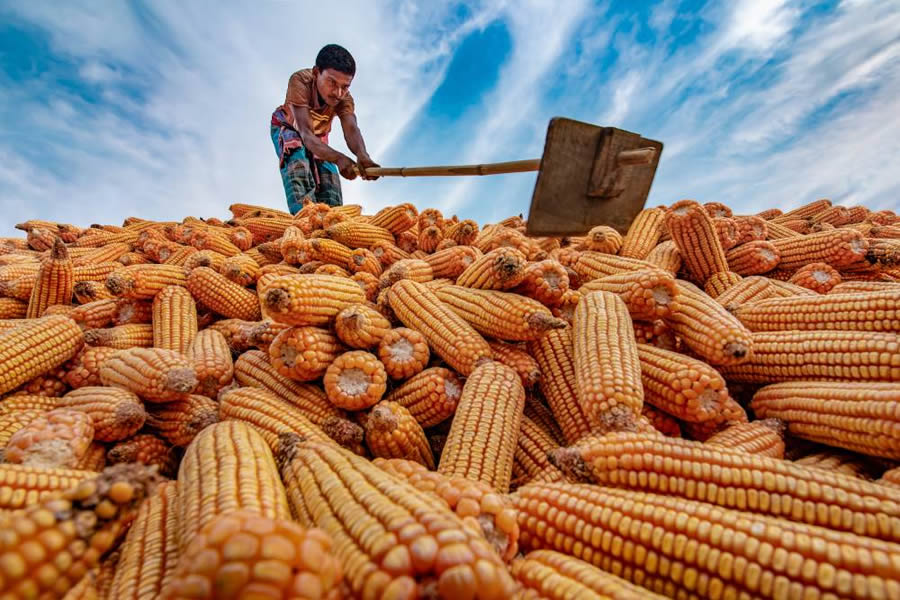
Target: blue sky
(161,109)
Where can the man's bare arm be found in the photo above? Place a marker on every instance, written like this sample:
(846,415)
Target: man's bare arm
(320,149)
(353,137)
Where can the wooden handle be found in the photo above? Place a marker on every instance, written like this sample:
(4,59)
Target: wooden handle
(515,166)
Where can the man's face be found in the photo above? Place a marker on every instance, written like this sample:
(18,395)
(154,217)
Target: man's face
(332,85)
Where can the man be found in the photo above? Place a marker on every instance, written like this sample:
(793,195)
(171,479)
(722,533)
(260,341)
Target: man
(300,127)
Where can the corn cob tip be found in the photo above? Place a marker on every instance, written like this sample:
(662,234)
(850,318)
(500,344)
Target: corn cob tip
(278,300)
(344,432)
(59,250)
(182,380)
(288,441)
(123,484)
(542,321)
(569,461)
(382,419)
(118,285)
(776,425)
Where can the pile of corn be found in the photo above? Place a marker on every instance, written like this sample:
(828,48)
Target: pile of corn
(402,405)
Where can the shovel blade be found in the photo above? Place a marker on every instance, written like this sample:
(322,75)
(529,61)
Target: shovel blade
(585,180)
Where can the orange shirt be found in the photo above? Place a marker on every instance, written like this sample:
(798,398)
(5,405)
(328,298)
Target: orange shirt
(301,91)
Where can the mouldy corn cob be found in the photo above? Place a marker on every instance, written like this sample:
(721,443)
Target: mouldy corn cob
(466,498)
(452,338)
(134,335)
(499,269)
(222,295)
(84,368)
(403,352)
(355,380)
(430,396)
(227,467)
(47,548)
(360,326)
(115,413)
(870,311)
(392,432)
(11,422)
(501,315)
(304,353)
(54,282)
(707,328)
(211,358)
(545,574)
(23,486)
(180,421)
(697,471)
(694,232)
(310,299)
(149,553)
(751,555)
(764,437)
(143,282)
(484,434)
(154,374)
(518,359)
(146,449)
(89,291)
(57,438)
(648,294)
(855,416)
(397,543)
(36,347)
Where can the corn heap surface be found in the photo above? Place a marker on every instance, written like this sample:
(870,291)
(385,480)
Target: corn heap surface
(405,404)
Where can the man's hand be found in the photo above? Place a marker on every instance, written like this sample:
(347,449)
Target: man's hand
(366,162)
(346,166)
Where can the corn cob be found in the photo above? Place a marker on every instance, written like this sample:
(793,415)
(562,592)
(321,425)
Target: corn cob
(310,299)
(549,575)
(764,437)
(451,262)
(291,244)
(59,309)
(452,338)
(483,436)
(585,521)
(16,271)
(57,438)
(695,234)
(227,467)
(414,269)
(241,269)
(23,486)
(94,459)
(12,308)
(392,432)
(732,414)
(51,546)
(749,289)
(519,360)
(593,265)
(429,238)
(54,282)
(804,212)
(852,287)
(40,238)
(223,296)
(16,402)
(174,319)
(685,468)
(36,347)
(213,240)
(304,353)
(660,422)
(355,380)
(604,239)
(96,314)
(891,478)
(784,289)
(19,289)
(149,551)
(363,260)
(499,269)
(836,215)
(143,282)
(727,231)
(719,283)
(154,374)
(13,421)
(146,449)
(838,248)
(497,314)
(49,385)
(84,368)
(242,553)
(241,210)
(180,421)
(817,277)
(753,258)
(430,396)
(355,234)
(751,228)
(204,258)
(872,311)
(211,358)
(648,294)
(707,328)
(326,269)
(133,258)
(463,233)
(540,413)
(368,283)
(838,461)
(442,557)
(121,337)
(403,352)
(90,291)
(530,458)
(855,416)
(396,219)
(429,217)
(545,281)
(387,253)
(116,414)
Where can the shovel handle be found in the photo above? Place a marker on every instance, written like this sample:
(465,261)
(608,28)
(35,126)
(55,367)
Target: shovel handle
(515,166)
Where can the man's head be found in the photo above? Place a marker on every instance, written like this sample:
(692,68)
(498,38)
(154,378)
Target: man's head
(334,71)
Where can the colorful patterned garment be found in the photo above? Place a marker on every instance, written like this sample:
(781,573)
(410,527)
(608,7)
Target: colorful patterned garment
(306,179)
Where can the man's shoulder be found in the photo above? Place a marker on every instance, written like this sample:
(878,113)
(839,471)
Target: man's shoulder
(303,76)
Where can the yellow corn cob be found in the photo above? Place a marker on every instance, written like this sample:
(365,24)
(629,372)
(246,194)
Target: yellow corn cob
(54,282)
(11,308)
(648,294)
(855,416)
(16,271)
(501,315)
(838,461)
(133,258)
(355,380)
(764,437)
(549,575)
(413,268)
(777,231)
(403,352)
(784,289)
(134,335)
(36,347)
(12,421)
(852,287)
(545,281)
(451,262)
(727,232)
(554,354)
(310,299)
(57,438)
(240,210)
(180,421)
(753,258)
(499,269)
(241,269)
(116,414)
(430,396)
(719,283)
(604,239)
(154,374)
(452,338)
(430,216)
(483,436)
(607,369)
(8,324)
(805,211)
(363,260)
(368,283)
(747,290)
(751,228)
(204,258)
(96,314)
(143,282)
(180,255)
(504,237)
(717,210)
(356,234)
(387,253)
(530,458)
(227,467)
(891,478)
(643,234)
(223,296)
(149,551)
(466,498)
(695,234)
(50,385)
(213,240)
(174,319)
(16,402)
(211,358)
(23,486)
(818,277)
(84,368)
(40,238)
(396,219)
(335,270)
(838,248)
(519,360)
(463,233)
(90,291)
(707,328)
(19,289)
(303,353)
(429,238)
(383,564)
(146,449)
(291,244)
(686,468)
(59,309)
(872,311)
(593,265)
(392,432)
(94,459)
(540,413)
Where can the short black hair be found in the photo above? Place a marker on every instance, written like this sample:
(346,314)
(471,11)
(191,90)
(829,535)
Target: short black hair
(336,57)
